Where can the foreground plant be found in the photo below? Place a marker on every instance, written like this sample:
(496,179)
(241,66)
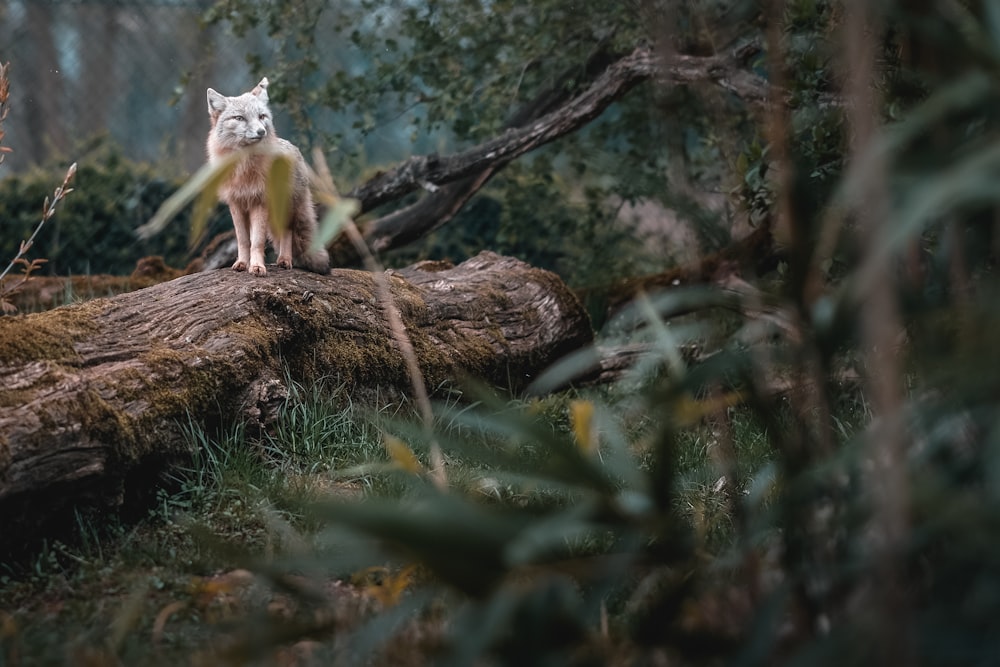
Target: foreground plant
(866,537)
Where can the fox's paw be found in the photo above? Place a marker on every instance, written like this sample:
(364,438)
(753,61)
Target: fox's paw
(258,269)
(284,262)
(240,265)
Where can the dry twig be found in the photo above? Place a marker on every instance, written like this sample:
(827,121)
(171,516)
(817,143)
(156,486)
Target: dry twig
(48,210)
(4,95)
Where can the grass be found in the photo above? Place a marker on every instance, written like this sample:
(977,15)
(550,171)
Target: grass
(239,499)
(156,591)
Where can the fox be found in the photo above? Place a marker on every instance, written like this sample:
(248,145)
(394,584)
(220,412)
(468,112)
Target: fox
(243,122)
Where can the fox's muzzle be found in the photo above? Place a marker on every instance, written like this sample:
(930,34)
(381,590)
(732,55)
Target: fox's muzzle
(253,136)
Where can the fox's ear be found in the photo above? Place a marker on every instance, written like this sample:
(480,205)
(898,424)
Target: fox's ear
(216,103)
(260,90)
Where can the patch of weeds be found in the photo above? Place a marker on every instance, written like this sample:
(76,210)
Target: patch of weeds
(319,430)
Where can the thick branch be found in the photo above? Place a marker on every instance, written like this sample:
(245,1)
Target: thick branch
(93,393)
(620,77)
(437,208)
(405,226)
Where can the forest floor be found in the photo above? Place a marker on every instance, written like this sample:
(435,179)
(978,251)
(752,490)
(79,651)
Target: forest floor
(228,566)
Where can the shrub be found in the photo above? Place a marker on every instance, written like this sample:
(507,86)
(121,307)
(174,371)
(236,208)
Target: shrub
(94,232)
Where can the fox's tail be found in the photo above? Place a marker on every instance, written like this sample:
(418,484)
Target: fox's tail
(305,257)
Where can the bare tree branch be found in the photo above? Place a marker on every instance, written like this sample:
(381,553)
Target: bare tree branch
(437,208)
(623,75)
(459,176)
(411,174)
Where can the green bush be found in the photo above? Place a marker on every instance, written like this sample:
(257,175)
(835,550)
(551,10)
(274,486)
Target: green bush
(93,231)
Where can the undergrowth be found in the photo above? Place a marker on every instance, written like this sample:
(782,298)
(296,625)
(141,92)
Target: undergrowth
(255,501)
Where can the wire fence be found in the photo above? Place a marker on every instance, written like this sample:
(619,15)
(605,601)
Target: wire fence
(135,71)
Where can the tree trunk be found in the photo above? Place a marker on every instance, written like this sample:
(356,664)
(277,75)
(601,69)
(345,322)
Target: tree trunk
(93,396)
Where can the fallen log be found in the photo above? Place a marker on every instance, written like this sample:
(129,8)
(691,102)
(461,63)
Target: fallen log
(93,396)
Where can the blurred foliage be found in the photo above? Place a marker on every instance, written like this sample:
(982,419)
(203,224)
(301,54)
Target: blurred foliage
(816,123)
(95,230)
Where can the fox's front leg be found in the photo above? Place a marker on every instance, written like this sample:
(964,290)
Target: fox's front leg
(258,240)
(241,223)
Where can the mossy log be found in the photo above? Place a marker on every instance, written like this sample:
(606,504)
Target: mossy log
(93,396)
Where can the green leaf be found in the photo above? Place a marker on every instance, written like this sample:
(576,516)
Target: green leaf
(565,370)
(972,180)
(205,204)
(992,21)
(338,215)
(462,544)
(742,163)
(279,193)
(566,464)
(966,93)
(206,179)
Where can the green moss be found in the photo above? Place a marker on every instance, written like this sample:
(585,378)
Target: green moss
(178,386)
(106,424)
(352,355)
(10,398)
(5,455)
(50,336)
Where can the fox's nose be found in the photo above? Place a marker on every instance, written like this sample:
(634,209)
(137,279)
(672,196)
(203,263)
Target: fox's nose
(261,132)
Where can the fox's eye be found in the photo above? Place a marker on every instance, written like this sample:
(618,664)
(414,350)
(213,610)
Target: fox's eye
(239,118)
(263,116)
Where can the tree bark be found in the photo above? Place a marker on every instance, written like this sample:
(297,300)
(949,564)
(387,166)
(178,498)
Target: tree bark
(93,396)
